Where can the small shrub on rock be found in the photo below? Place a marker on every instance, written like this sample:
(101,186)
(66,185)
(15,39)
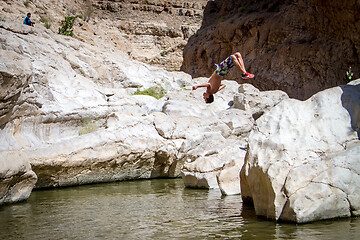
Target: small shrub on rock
(67,25)
(156,91)
(27,3)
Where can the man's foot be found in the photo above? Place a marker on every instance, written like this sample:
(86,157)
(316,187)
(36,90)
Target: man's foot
(247,75)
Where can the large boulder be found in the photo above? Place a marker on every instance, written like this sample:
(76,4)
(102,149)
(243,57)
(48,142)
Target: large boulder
(17,178)
(211,154)
(302,162)
(202,173)
(207,134)
(127,147)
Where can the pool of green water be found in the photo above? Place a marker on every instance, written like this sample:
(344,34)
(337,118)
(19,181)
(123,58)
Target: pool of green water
(151,209)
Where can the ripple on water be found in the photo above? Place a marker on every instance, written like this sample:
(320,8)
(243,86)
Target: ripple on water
(153,209)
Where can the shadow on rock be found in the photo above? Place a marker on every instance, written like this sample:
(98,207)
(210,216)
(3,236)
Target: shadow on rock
(351,102)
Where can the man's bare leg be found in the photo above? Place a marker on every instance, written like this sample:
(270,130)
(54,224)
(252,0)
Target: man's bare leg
(239,62)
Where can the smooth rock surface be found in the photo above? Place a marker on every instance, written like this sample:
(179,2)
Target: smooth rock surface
(229,178)
(302,164)
(256,102)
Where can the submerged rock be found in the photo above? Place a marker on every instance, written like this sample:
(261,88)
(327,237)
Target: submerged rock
(302,163)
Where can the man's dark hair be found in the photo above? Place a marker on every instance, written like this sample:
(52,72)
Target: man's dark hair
(28,14)
(210,99)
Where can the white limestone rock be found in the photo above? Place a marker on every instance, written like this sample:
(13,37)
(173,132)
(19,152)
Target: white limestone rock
(17,178)
(15,74)
(229,177)
(257,102)
(202,173)
(239,121)
(229,150)
(68,109)
(74,117)
(212,156)
(302,163)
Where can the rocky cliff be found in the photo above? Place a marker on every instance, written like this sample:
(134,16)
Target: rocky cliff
(300,47)
(70,116)
(153,31)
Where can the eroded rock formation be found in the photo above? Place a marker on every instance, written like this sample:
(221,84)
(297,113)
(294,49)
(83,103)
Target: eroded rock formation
(219,167)
(155,31)
(302,162)
(69,112)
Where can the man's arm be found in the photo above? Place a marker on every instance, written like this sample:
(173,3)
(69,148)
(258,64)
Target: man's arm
(201,85)
(222,86)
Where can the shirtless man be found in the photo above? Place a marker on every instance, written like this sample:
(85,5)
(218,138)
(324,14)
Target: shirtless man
(214,84)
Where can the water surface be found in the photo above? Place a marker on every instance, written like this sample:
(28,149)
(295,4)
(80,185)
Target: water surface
(151,209)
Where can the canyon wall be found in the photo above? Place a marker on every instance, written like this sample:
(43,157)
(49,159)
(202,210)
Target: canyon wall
(300,47)
(152,31)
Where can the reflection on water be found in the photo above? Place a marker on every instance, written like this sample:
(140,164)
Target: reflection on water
(152,209)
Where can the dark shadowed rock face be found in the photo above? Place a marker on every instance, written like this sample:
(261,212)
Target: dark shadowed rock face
(300,47)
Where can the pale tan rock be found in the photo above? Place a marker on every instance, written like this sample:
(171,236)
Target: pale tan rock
(15,74)
(152,32)
(213,162)
(229,151)
(229,177)
(17,178)
(239,121)
(202,173)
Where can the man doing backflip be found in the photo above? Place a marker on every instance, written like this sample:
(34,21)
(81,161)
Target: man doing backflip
(214,84)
